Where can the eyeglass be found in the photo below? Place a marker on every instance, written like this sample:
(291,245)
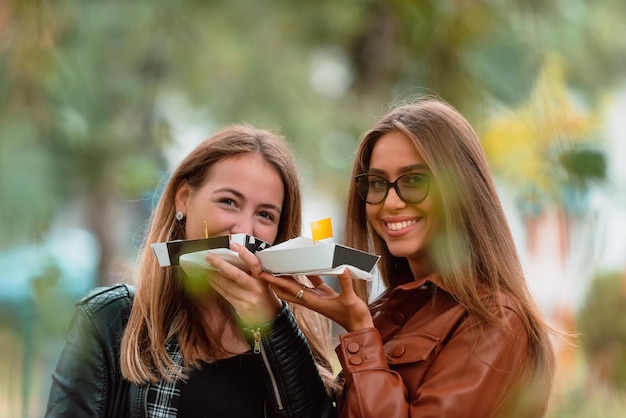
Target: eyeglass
(410,187)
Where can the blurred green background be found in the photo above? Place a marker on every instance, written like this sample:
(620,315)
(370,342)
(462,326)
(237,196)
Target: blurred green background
(99,99)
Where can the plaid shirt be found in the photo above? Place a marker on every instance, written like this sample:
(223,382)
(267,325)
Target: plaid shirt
(163,397)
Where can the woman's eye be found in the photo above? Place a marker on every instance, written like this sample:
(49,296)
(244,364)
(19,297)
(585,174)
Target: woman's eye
(266,215)
(229,202)
(378,184)
(415,179)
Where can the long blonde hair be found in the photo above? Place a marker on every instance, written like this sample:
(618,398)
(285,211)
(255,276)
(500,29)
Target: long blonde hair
(162,308)
(474,248)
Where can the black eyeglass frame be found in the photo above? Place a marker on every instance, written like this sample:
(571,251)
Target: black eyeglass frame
(393,184)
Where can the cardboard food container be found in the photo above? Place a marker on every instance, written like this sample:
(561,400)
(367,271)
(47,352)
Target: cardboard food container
(170,253)
(303,256)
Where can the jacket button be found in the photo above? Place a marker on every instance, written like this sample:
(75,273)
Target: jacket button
(399,318)
(398,351)
(353,347)
(356,360)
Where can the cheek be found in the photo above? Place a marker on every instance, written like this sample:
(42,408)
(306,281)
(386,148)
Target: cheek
(372,211)
(215,225)
(434,214)
(267,233)
(195,229)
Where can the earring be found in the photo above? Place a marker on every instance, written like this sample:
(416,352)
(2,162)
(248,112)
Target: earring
(179,215)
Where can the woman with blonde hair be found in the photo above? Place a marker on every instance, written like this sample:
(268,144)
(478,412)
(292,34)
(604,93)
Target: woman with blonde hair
(456,331)
(220,344)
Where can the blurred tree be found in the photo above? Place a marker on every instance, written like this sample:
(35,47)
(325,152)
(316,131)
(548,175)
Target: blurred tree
(548,151)
(538,147)
(78,121)
(91,91)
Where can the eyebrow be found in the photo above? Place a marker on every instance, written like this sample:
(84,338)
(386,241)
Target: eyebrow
(242,197)
(405,169)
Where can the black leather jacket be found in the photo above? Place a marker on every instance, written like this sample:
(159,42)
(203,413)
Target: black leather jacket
(87,379)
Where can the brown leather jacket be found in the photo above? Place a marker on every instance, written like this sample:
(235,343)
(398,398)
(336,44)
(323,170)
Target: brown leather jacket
(427,358)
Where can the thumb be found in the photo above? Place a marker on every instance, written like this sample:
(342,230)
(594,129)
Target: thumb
(345,279)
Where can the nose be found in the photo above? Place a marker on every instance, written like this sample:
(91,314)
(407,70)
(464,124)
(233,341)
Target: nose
(243,225)
(393,200)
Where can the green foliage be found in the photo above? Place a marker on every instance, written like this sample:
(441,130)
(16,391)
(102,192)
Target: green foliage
(136,175)
(603,328)
(584,165)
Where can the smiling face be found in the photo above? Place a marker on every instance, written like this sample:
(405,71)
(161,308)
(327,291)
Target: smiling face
(242,194)
(407,228)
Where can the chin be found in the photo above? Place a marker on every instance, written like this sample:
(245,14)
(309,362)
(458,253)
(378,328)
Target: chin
(402,251)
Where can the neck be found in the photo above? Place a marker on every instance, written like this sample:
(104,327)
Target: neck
(220,323)
(421,266)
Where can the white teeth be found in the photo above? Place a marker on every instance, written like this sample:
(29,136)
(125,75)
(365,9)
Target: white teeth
(396,226)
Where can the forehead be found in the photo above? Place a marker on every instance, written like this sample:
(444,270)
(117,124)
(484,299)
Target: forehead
(394,151)
(249,168)
(243,164)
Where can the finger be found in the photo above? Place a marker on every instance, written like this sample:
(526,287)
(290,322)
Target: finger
(216,279)
(287,283)
(316,280)
(229,280)
(285,287)
(345,281)
(250,259)
(217,263)
(270,278)
(300,293)
(228,270)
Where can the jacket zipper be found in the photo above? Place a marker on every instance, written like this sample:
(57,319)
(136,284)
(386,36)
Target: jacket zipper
(258,349)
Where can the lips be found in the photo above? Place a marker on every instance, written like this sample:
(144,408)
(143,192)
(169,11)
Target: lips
(397,226)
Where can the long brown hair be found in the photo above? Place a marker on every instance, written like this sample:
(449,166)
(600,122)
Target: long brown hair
(474,249)
(162,308)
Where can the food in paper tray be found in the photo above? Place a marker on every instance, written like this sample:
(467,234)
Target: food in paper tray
(190,254)
(304,256)
(193,263)
(296,256)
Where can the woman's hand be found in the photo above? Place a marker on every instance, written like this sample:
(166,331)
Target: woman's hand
(253,299)
(345,308)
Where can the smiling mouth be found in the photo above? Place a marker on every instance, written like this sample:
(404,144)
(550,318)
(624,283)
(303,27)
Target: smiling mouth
(396,226)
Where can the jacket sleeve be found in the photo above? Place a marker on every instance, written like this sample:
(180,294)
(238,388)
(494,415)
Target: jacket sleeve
(87,372)
(470,376)
(292,378)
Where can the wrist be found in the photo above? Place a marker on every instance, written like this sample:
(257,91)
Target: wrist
(267,320)
(362,323)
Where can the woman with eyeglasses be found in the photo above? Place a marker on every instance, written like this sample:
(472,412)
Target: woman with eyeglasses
(456,333)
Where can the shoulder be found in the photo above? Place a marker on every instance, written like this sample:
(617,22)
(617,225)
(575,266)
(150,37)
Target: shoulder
(511,321)
(100,298)
(507,304)
(500,301)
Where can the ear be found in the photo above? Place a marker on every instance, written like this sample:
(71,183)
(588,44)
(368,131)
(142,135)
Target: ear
(182,195)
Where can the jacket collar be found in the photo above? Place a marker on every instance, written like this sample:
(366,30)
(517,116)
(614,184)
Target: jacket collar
(426,282)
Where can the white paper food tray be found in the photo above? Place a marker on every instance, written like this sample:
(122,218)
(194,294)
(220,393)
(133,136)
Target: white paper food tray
(302,256)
